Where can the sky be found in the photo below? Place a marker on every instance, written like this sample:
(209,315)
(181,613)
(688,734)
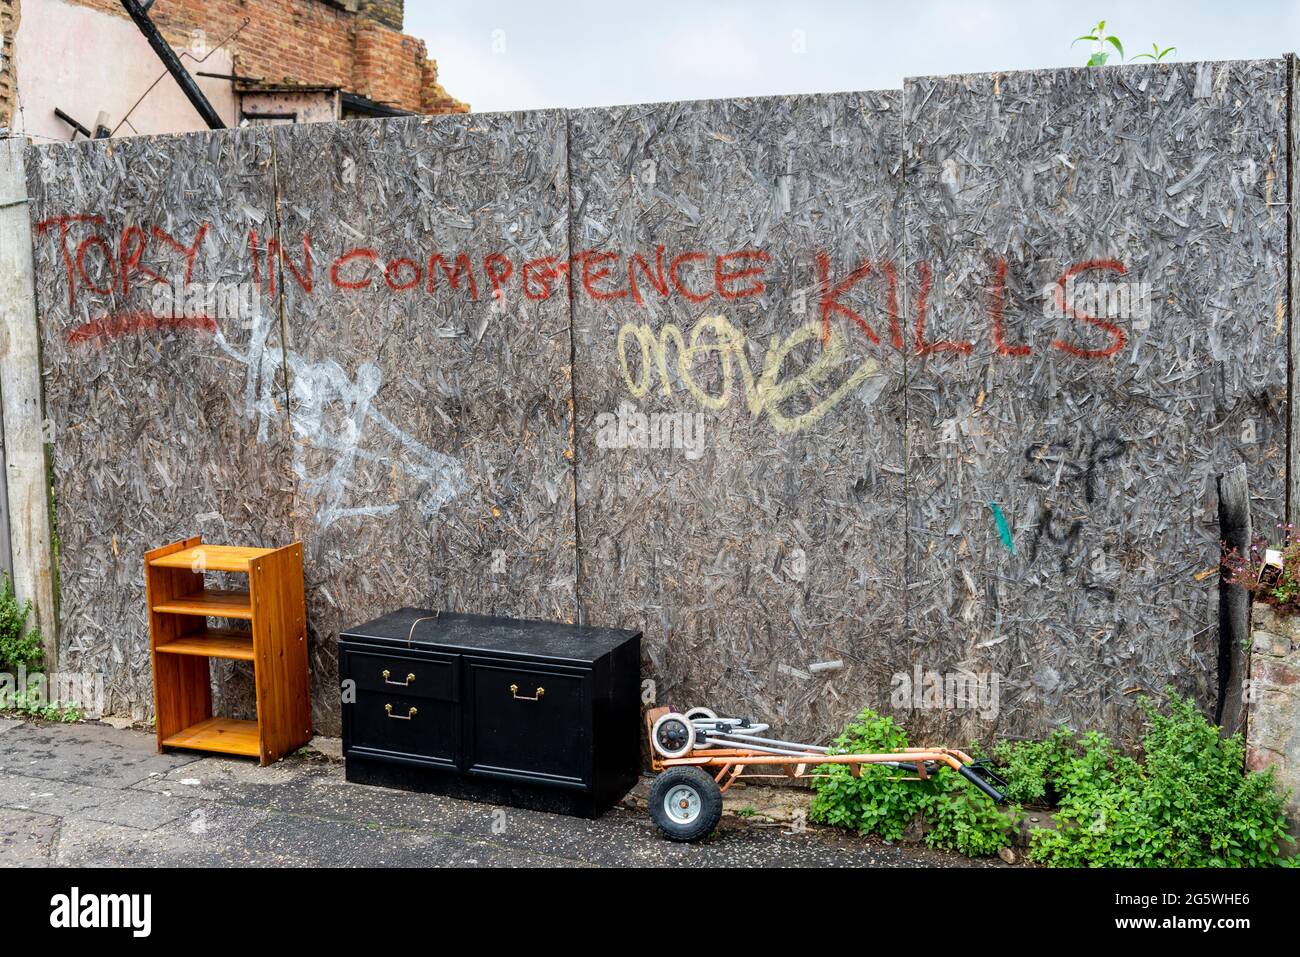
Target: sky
(519,55)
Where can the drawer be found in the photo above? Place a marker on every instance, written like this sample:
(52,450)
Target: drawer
(416,676)
(401,728)
(528,722)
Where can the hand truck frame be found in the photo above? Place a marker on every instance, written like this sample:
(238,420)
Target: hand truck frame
(699,756)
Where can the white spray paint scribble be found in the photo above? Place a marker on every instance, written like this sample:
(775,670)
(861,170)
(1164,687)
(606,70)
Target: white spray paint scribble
(317,388)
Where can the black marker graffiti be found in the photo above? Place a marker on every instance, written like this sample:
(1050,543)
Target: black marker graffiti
(1076,464)
(1057,532)
(1054,461)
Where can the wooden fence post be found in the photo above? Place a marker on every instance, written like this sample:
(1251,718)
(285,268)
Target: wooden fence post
(1234,604)
(23,410)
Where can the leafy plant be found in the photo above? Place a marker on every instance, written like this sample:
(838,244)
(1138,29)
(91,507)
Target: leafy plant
(1032,767)
(35,706)
(1271,575)
(18,648)
(1156,54)
(963,818)
(1101,55)
(1187,804)
(959,816)
(1099,36)
(22,648)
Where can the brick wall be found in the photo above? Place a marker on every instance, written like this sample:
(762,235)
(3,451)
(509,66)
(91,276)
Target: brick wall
(311,42)
(391,13)
(433,98)
(388,66)
(1273,701)
(8,24)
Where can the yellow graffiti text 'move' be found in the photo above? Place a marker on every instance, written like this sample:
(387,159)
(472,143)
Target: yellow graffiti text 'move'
(716,334)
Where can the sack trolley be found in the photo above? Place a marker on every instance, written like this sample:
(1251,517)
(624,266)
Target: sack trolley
(699,755)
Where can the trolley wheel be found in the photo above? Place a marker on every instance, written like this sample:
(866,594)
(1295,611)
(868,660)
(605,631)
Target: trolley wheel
(696,714)
(685,803)
(673,735)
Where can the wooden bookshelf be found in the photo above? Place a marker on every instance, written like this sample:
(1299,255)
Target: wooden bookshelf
(182,640)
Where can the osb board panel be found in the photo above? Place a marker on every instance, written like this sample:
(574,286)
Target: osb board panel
(762,556)
(1293,282)
(431,427)
(161,428)
(1099,445)
(432,433)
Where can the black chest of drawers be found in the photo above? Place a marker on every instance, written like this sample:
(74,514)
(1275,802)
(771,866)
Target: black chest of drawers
(526,713)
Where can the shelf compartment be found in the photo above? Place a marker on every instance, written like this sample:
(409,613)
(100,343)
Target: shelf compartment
(212,558)
(212,643)
(182,644)
(223,735)
(210,603)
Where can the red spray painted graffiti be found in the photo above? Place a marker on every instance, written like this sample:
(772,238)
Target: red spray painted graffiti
(120,324)
(105,264)
(119,264)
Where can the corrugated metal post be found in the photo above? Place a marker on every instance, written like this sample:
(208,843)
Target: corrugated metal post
(27,490)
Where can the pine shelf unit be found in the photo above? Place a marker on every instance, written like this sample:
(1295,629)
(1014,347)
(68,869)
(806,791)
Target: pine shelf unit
(180,606)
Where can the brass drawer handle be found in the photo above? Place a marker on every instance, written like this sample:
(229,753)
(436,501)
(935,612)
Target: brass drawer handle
(401,684)
(514,693)
(397,717)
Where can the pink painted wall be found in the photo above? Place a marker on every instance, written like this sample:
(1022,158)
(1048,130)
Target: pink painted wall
(309,106)
(85,61)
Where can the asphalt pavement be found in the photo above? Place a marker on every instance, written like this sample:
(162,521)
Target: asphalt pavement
(92,795)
